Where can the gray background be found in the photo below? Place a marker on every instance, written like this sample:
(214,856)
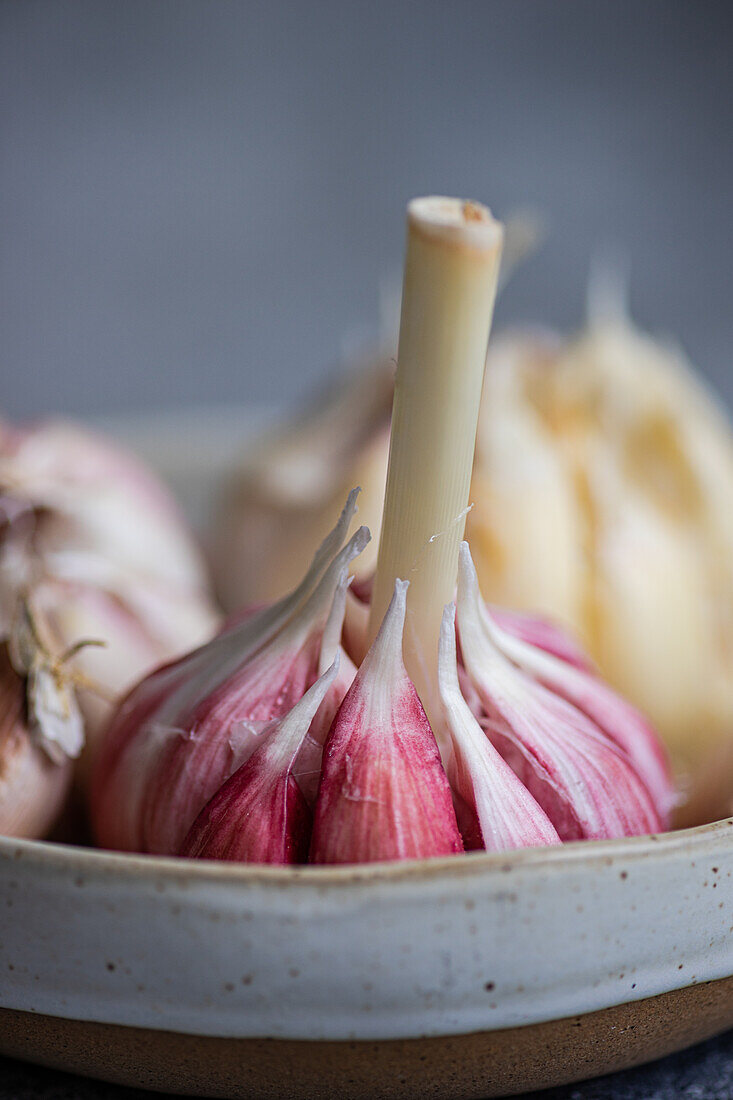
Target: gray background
(198,200)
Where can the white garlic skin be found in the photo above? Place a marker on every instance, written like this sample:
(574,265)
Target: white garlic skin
(602,496)
(32,787)
(107,557)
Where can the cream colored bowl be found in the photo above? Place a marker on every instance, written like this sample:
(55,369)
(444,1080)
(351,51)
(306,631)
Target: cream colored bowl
(473,976)
(479,949)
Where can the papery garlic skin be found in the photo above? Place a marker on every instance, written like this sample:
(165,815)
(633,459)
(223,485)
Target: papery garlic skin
(538,632)
(260,814)
(601,498)
(613,715)
(506,814)
(32,786)
(587,786)
(383,793)
(185,729)
(97,546)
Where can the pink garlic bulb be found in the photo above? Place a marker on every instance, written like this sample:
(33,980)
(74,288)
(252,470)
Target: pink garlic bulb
(267,745)
(510,742)
(96,547)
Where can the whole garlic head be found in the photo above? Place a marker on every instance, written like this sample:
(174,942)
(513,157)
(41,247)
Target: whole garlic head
(94,545)
(601,498)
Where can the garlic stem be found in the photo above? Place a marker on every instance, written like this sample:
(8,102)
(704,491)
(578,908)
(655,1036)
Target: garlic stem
(451,268)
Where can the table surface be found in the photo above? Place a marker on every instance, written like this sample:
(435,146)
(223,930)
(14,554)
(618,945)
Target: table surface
(703,1073)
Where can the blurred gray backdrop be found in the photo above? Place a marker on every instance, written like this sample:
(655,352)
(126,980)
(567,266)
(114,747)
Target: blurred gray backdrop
(199,200)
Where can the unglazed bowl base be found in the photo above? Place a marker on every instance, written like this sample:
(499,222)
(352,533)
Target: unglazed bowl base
(484,1064)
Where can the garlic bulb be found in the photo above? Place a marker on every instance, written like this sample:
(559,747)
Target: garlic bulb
(601,498)
(267,745)
(413,752)
(96,547)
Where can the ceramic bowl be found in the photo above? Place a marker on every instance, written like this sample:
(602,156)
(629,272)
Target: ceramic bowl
(479,975)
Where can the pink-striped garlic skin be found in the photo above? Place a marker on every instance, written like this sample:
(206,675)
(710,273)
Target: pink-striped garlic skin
(217,736)
(254,817)
(383,793)
(587,786)
(495,810)
(617,718)
(309,761)
(269,745)
(542,633)
(260,814)
(182,732)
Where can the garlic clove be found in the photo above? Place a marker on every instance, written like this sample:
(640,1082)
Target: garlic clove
(617,718)
(179,684)
(266,686)
(185,729)
(307,768)
(584,783)
(505,812)
(260,814)
(383,793)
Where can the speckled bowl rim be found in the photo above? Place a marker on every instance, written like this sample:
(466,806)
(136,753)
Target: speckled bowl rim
(60,856)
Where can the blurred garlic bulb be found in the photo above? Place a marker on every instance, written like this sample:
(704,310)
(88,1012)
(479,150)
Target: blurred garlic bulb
(292,484)
(94,545)
(601,484)
(601,491)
